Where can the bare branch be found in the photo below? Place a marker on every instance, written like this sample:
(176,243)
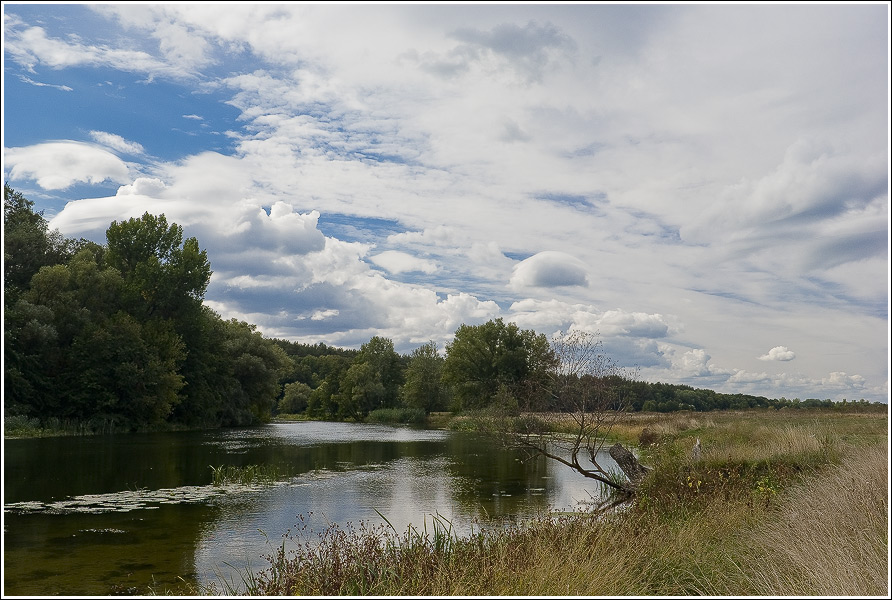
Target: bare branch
(587,396)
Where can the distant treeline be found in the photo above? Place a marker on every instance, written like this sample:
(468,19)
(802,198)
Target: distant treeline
(117,337)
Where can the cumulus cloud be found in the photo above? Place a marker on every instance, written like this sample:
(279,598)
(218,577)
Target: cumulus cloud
(839,379)
(636,324)
(549,269)
(780,353)
(696,362)
(58,165)
(741,376)
(142,186)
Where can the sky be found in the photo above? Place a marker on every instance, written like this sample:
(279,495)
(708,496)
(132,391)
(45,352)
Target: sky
(705,187)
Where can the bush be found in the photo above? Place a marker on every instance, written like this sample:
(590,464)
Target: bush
(21,426)
(398,415)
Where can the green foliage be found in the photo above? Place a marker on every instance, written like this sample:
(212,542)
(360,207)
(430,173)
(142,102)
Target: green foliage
(117,337)
(481,359)
(21,426)
(244,475)
(163,274)
(423,388)
(295,398)
(28,244)
(372,381)
(406,415)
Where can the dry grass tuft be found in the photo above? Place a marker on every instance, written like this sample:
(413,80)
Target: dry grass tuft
(828,538)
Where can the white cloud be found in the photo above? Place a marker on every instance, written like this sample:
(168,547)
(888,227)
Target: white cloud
(31,47)
(781,353)
(651,160)
(549,269)
(116,142)
(742,376)
(695,362)
(58,165)
(63,88)
(143,186)
(840,380)
(400,262)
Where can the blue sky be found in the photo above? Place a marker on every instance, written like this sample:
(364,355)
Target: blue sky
(704,186)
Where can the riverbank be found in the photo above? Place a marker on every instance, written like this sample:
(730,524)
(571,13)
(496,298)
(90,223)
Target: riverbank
(778,503)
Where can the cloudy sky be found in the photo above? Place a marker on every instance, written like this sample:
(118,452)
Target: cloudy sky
(706,187)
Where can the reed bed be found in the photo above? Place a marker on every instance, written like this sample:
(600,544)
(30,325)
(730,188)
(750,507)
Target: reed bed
(244,475)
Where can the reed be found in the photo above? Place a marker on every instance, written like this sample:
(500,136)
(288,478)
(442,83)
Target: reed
(244,475)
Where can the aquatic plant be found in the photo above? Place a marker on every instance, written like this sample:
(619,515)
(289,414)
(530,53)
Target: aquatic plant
(244,475)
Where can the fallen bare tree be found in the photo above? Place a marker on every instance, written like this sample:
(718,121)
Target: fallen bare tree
(586,403)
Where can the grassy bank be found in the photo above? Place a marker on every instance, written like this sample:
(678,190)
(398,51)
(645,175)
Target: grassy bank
(780,503)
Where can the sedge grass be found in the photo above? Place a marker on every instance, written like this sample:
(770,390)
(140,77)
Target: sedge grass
(243,475)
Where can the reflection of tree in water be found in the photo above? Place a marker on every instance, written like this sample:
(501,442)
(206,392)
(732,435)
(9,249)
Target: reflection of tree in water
(102,554)
(346,472)
(491,482)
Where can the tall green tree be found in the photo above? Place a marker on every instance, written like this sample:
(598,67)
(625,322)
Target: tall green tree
(254,366)
(164,275)
(372,381)
(423,387)
(28,243)
(484,359)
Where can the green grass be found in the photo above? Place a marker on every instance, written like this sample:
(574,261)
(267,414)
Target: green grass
(244,475)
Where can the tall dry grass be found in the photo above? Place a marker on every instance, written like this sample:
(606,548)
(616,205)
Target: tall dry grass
(828,537)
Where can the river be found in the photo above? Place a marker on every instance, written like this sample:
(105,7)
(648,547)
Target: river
(100,515)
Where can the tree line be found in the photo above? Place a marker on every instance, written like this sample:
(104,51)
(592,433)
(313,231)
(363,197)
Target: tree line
(117,336)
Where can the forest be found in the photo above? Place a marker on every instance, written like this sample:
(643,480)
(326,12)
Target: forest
(117,337)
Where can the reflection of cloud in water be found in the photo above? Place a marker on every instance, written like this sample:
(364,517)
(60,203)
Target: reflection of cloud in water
(422,493)
(309,433)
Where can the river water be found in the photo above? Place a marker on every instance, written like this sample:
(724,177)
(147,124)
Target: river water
(114,514)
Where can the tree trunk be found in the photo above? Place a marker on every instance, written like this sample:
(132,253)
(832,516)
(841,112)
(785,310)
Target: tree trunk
(634,470)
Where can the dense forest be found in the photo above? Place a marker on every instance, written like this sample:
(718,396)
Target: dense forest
(117,337)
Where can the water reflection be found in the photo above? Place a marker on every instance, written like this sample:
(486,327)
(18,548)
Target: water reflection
(182,526)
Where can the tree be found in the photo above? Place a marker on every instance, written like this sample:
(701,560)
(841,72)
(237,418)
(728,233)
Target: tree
(372,381)
(28,244)
(164,275)
(584,389)
(253,367)
(295,398)
(484,359)
(422,388)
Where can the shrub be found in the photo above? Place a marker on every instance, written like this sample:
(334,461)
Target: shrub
(398,415)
